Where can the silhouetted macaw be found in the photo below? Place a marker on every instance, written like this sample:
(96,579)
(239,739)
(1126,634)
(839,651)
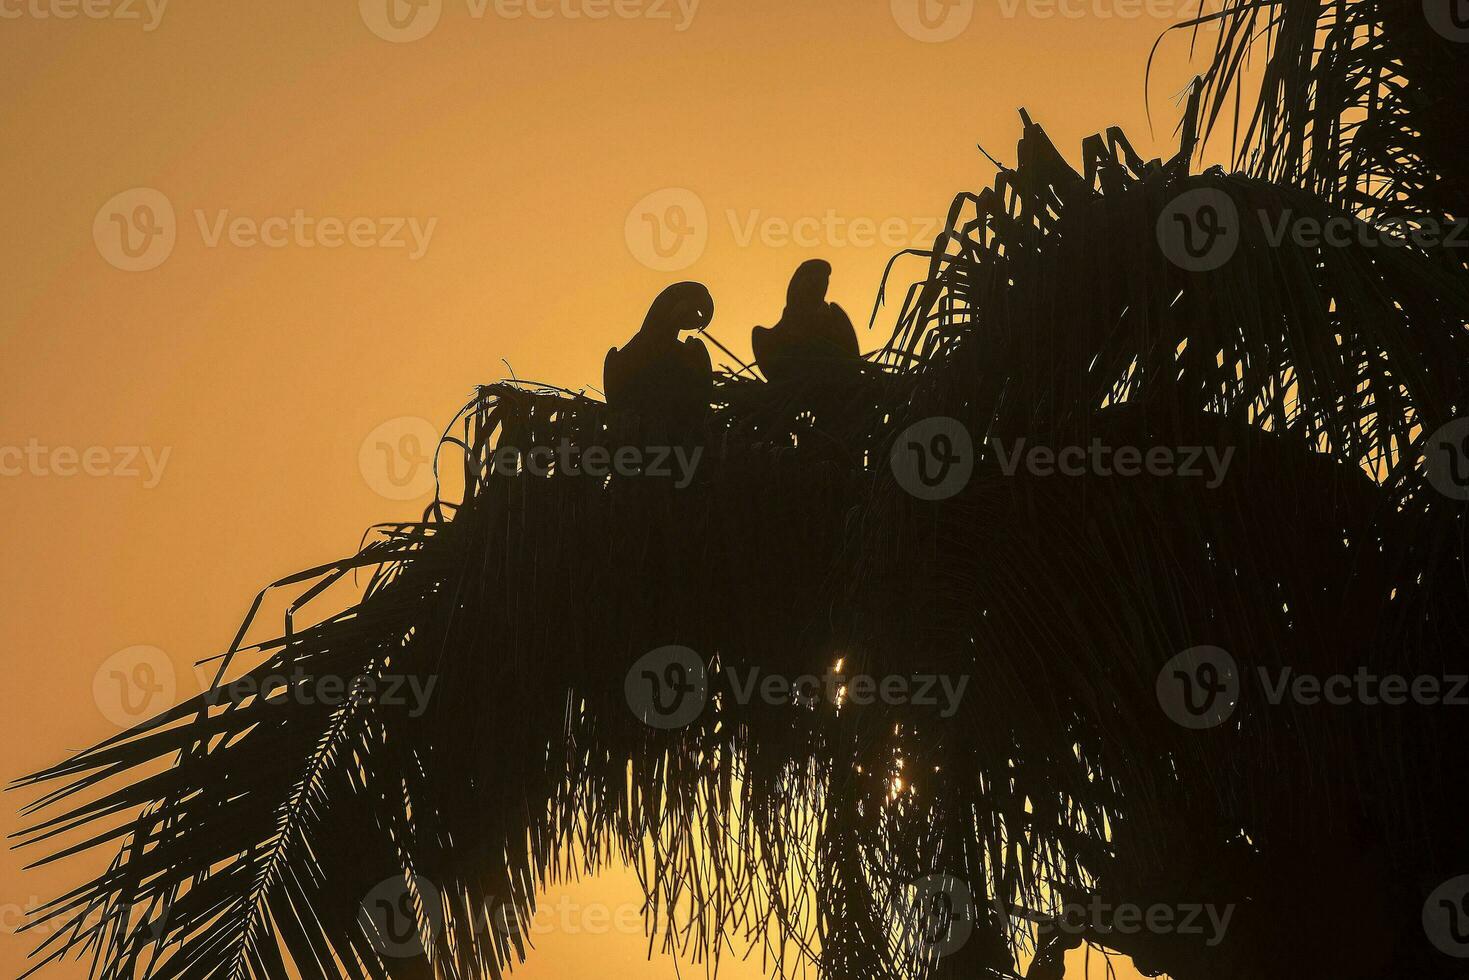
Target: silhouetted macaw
(813,337)
(656,374)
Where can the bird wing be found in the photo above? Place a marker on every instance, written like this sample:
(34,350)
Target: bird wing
(765,342)
(840,332)
(614,380)
(696,355)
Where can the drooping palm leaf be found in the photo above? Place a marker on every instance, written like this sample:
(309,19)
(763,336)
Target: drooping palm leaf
(1358,102)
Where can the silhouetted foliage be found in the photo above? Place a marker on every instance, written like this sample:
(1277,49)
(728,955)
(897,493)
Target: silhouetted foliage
(251,830)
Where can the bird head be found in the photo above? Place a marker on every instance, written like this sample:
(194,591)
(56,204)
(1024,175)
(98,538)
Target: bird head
(682,306)
(809,284)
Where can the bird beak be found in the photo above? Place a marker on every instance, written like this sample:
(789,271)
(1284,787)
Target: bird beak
(704,313)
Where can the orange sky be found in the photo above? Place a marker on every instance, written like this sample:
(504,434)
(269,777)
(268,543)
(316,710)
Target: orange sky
(367,222)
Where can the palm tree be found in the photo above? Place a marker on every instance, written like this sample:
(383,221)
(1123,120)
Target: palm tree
(372,835)
(1356,102)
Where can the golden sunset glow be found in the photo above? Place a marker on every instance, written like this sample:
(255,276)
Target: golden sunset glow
(260,253)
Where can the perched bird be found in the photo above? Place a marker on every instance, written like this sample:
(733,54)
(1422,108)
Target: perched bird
(655,374)
(814,338)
